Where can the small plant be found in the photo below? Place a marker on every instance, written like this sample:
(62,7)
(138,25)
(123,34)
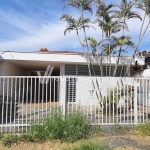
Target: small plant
(10,139)
(90,146)
(1,136)
(70,128)
(52,128)
(26,137)
(76,127)
(144,128)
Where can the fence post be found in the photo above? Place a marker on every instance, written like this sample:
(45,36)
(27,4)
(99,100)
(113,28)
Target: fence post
(62,96)
(135,102)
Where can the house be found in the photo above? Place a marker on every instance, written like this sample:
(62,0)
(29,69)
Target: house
(65,63)
(27,96)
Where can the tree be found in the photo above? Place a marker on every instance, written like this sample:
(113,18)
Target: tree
(95,45)
(123,43)
(144,5)
(77,25)
(126,11)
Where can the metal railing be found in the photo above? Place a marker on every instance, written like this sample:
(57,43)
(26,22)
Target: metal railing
(103,100)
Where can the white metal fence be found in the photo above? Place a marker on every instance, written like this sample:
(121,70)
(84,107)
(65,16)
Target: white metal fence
(103,100)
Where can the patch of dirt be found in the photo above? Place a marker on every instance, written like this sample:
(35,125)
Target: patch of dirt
(126,148)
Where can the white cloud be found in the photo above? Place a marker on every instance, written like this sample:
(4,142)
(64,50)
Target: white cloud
(38,32)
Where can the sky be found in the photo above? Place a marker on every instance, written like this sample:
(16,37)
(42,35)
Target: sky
(27,25)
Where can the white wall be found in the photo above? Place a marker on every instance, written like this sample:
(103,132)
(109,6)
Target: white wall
(1,68)
(86,93)
(10,83)
(13,70)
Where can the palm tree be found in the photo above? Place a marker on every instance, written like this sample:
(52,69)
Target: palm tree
(76,25)
(82,5)
(144,5)
(94,44)
(123,43)
(125,13)
(110,27)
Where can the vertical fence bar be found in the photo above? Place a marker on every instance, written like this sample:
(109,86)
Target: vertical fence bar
(54,96)
(11,102)
(146,94)
(6,102)
(143,83)
(128,102)
(22,106)
(15,105)
(113,104)
(31,85)
(3,102)
(50,90)
(124,110)
(46,95)
(27,93)
(42,96)
(34,99)
(19,106)
(39,100)
(135,102)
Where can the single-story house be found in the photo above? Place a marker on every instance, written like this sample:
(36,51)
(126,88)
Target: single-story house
(65,63)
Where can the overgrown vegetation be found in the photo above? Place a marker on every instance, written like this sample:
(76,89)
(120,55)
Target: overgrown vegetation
(10,139)
(71,128)
(144,128)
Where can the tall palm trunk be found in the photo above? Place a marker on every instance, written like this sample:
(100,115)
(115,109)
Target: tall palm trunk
(87,48)
(109,56)
(84,51)
(124,62)
(142,26)
(102,52)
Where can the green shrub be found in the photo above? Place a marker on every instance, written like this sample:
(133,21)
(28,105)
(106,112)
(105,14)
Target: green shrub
(1,136)
(144,128)
(26,137)
(10,139)
(52,128)
(70,128)
(76,127)
(90,146)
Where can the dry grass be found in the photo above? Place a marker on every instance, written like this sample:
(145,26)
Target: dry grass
(58,145)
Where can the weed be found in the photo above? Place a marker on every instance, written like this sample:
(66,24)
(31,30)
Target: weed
(10,139)
(26,137)
(70,128)
(144,128)
(76,127)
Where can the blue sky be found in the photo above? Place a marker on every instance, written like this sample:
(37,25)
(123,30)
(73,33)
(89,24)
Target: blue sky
(29,26)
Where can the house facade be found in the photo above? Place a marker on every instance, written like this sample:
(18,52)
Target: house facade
(25,65)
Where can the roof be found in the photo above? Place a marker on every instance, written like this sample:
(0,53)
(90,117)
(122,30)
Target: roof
(49,52)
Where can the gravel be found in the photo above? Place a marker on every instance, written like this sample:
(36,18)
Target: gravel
(114,142)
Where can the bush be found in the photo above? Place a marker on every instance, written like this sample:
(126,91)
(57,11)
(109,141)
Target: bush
(144,128)
(76,127)
(26,137)
(52,128)
(10,139)
(70,128)
(90,146)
